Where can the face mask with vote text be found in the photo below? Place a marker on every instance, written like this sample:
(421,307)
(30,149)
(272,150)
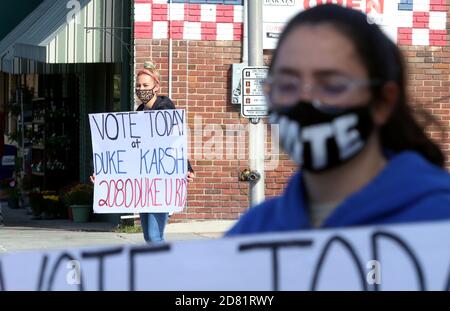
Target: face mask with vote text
(322,137)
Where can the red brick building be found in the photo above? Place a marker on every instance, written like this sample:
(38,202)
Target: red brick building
(194,43)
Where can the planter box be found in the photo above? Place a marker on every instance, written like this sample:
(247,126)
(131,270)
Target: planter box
(81,213)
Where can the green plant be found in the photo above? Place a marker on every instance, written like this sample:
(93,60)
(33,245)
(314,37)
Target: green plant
(58,142)
(80,194)
(52,205)
(13,136)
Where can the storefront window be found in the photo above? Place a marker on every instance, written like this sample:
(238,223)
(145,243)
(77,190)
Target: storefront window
(116,96)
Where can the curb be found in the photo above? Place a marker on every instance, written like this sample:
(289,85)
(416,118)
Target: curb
(215,226)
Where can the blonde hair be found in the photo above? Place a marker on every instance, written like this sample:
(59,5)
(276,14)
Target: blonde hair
(150,65)
(150,70)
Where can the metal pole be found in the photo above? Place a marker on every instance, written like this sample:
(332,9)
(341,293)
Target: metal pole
(256,128)
(245,39)
(170,48)
(19,93)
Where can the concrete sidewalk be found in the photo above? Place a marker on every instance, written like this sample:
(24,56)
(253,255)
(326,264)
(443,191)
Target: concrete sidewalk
(211,228)
(21,233)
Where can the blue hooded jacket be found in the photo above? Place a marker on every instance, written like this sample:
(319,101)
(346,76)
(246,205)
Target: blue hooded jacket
(408,189)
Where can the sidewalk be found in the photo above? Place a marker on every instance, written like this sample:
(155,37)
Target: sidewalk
(20,232)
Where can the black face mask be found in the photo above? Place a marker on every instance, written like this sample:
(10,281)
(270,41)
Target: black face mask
(145,95)
(322,138)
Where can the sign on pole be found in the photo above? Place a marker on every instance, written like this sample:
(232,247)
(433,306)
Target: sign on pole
(236,81)
(140,161)
(253,99)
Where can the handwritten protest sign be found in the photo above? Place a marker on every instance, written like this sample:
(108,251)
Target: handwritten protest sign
(140,161)
(401,257)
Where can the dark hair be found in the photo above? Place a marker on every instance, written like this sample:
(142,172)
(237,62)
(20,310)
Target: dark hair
(384,62)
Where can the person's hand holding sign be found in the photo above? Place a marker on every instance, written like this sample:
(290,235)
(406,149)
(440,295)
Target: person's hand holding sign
(190,176)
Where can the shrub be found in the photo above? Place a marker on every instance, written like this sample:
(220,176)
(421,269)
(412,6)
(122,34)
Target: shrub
(80,194)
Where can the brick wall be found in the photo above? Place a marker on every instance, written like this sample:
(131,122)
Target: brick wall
(218,135)
(203,51)
(426,47)
(429,88)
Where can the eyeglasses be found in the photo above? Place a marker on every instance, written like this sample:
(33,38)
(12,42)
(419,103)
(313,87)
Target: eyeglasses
(286,90)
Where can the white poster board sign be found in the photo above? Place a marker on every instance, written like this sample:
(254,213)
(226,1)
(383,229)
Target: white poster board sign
(402,257)
(140,161)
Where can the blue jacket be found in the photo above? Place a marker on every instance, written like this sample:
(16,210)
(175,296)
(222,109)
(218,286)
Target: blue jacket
(408,189)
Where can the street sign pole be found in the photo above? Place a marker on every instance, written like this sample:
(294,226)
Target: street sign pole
(256,128)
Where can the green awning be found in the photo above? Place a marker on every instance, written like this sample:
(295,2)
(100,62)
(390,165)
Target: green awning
(47,40)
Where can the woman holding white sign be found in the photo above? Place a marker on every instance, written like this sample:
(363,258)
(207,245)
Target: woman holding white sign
(337,88)
(147,88)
